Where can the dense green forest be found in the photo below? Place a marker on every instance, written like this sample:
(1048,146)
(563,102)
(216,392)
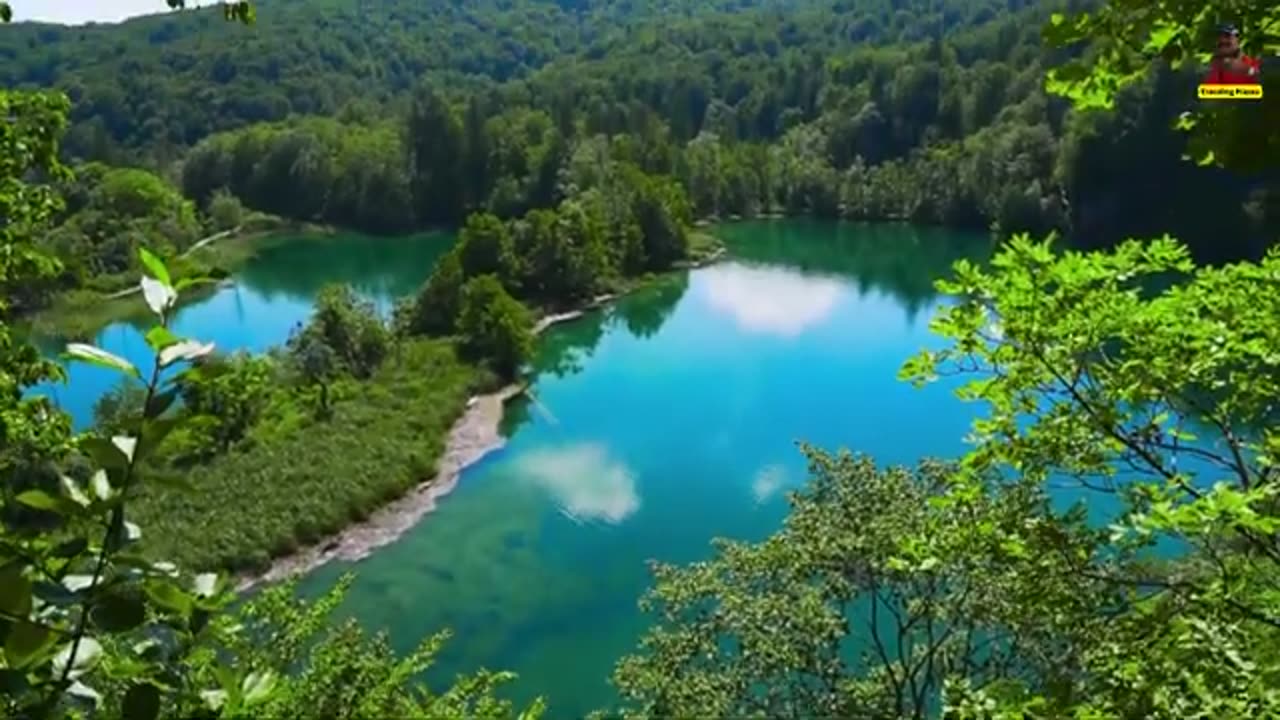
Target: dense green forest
(364,115)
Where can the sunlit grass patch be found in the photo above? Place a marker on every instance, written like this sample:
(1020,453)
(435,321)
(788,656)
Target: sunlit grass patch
(295,480)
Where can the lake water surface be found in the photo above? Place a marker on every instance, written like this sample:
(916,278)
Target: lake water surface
(670,419)
(656,425)
(271,295)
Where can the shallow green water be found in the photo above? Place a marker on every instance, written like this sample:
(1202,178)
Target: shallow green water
(659,424)
(269,297)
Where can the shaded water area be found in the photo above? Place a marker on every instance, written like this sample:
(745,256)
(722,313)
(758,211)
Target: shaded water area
(655,425)
(270,296)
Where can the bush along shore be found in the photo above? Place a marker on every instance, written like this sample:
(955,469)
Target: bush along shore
(340,440)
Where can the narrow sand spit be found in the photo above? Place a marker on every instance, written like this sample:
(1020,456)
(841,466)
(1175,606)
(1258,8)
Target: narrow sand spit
(472,436)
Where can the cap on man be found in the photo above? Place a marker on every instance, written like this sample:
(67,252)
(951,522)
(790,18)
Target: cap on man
(1230,66)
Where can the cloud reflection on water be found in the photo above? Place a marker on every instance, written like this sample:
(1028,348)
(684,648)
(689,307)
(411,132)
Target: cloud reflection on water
(584,480)
(771,300)
(767,482)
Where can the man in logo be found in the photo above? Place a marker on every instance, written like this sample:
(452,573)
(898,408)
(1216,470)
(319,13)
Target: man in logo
(1229,65)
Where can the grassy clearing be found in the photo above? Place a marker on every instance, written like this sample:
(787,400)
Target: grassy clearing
(703,245)
(296,480)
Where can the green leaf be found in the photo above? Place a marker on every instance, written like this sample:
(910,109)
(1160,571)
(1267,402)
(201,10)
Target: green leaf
(84,692)
(169,596)
(149,649)
(161,337)
(6,13)
(13,682)
(26,642)
(86,658)
(15,591)
(73,491)
(54,594)
(185,350)
(122,535)
(142,702)
(214,699)
(257,687)
(156,431)
(206,584)
(40,500)
(185,283)
(161,402)
(100,485)
(1161,35)
(104,453)
(119,611)
(76,583)
(71,548)
(102,358)
(125,444)
(153,264)
(159,296)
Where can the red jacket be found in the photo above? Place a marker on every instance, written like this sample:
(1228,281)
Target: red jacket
(1220,74)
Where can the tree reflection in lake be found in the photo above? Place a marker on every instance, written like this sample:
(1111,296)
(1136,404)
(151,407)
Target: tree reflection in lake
(381,268)
(562,350)
(897,259)
(644,317)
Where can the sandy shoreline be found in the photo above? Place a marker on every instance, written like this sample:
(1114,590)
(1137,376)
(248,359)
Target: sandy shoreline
(473,436)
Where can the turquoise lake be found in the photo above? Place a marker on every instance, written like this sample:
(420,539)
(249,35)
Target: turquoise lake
(656,425)
(662,422)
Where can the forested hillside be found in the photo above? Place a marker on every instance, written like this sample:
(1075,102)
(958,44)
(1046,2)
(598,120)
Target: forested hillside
(163,82)
(391,116)
(928,111)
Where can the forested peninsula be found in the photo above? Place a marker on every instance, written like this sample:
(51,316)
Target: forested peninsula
(577,147)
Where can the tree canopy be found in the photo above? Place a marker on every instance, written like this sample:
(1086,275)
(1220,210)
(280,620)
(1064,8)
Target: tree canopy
(890,590)
(935,112)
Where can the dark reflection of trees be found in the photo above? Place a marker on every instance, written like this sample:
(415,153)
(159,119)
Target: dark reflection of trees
(645,312)
(518,412)
(565,349)
(898,259)
(562,350)
(374,266)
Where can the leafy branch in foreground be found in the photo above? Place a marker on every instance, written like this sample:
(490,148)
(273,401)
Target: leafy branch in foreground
(970,588)
(73,582)
(1153,386)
